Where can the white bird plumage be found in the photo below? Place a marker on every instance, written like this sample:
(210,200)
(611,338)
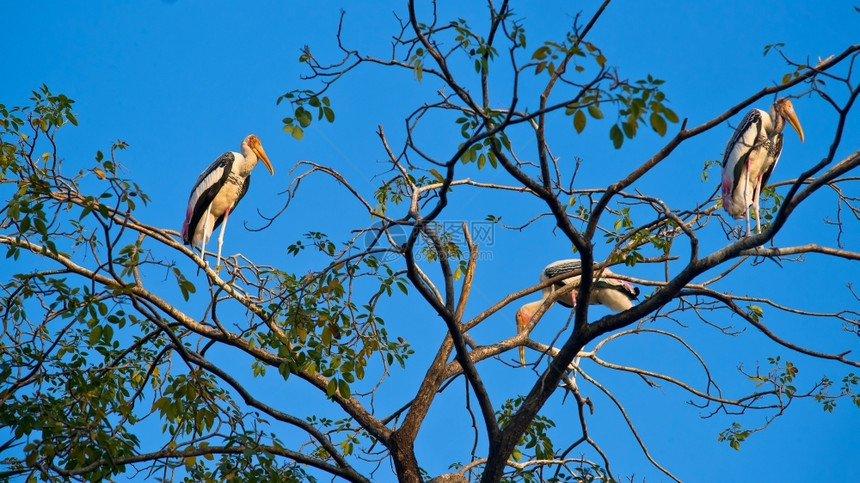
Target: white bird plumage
(617,295)
(218,190)
(751,156)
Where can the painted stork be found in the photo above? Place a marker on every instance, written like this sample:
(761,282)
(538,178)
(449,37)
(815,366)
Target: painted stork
(218,190)
(751,155)
(611,292)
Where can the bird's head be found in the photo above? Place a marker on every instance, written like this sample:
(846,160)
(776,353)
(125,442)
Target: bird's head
(784,108)
(254,143)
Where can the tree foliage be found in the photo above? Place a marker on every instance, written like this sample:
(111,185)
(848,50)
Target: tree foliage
(108,332)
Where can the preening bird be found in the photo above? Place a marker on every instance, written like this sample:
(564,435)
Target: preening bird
(611,292)
(218,190)
(751,155)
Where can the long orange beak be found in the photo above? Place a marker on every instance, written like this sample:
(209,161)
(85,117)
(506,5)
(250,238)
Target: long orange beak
(791,117)
(521,324)
(258,150)
(256,146)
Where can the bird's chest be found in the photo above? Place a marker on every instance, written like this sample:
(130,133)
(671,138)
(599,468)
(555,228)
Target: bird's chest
(229,194)
(756,158)
(774,145)
(760,144)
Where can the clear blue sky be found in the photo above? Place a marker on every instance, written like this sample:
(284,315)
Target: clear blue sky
(183,81)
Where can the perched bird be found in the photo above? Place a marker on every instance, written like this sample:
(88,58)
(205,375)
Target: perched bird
(616,294)
(751,155)
(218,190)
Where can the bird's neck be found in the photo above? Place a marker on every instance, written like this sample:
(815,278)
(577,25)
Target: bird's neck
(248,160)
(777,122)
(530,308)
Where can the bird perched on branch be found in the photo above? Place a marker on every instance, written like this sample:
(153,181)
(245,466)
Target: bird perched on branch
(218,190)
(751,155)
(611,292)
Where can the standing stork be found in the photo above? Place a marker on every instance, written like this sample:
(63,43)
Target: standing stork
(218,190)
(751,155)
(611,292)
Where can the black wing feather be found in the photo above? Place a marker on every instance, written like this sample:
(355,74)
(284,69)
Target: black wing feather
(206,188)
(774,151)
(563,266)
(558,268)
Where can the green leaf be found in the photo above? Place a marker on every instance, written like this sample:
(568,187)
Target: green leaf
(516,454)
(616,136)
(284,371)
(629,129)
(755,309)
(297,132)
(343,389)
(767,48)
(658,124)
(670,115)
(579,121)
(541,53)
(436,174)
(303,116)
(595,111)
(187,288)
(95,335)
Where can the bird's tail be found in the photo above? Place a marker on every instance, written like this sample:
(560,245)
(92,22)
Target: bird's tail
(734,205)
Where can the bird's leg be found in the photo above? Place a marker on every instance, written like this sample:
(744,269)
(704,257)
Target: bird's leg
(746,200)
(221,235)
(756,207)
(206,234)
